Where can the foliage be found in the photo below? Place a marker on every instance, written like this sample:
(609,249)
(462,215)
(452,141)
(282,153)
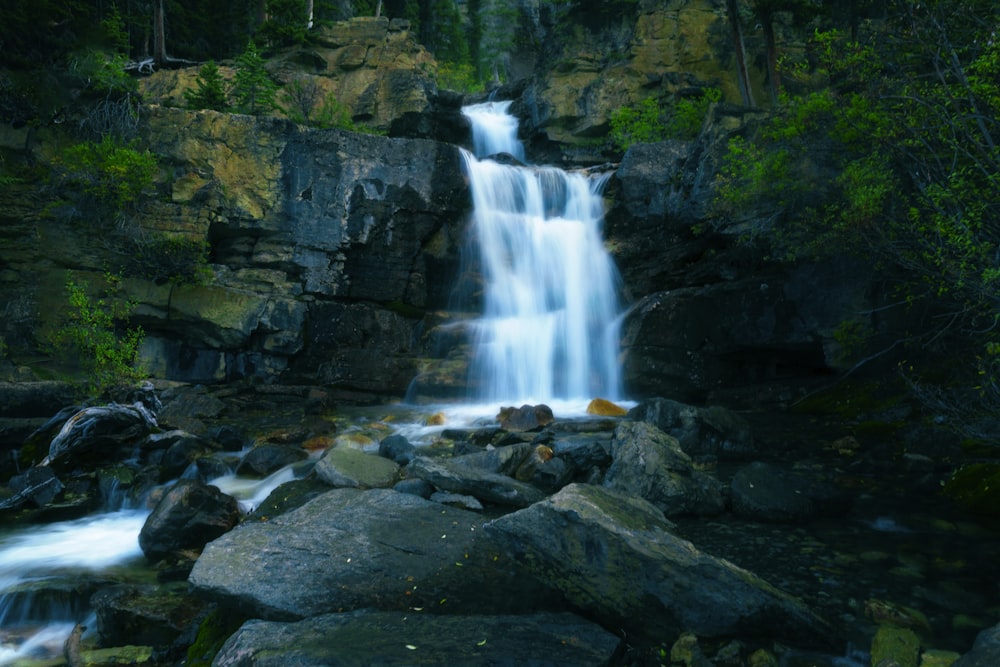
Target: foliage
(460,77)
(253,90)
(96,336)
(209,91)
(300,97)
(102,72)
(907,128)
(114,174)
(649,122)
(285,24)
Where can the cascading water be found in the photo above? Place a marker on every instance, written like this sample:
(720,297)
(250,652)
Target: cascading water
(551,316)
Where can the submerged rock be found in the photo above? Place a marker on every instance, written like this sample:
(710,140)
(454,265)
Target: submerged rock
(420,639)
(615,557)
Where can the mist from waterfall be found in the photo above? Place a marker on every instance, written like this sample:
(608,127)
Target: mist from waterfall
(550,325)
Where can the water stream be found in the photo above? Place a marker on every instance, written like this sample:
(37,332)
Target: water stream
(549,330)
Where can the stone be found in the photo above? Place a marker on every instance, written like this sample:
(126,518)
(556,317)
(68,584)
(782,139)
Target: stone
(901,646)
(396,448)
(525,418)
(648,463)
(265,459)
(605,408)
(144,615)
(37,485)
(540,639)
(188,516)
(701,431)
(458,476)
(985,651)
(615,557)
(344,466)
(350,549)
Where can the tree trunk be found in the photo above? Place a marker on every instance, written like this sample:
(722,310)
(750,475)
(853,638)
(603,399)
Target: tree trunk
(773,78)
(310,4)
(742,74)
(159,34)
(378,9)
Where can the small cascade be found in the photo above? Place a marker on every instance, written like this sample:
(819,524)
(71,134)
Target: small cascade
(551,315)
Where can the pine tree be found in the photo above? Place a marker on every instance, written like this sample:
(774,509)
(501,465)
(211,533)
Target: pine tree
(253,90)
(210,92)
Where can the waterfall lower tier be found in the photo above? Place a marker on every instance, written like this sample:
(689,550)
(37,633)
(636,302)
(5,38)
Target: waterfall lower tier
(550,324)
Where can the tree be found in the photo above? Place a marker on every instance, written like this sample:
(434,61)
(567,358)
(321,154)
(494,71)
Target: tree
(742,73)
(253,90)
(209,91)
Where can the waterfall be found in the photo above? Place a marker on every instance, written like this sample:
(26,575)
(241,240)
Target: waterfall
(551,316)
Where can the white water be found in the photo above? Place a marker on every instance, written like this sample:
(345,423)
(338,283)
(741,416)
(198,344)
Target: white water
(551,318)
(32,628)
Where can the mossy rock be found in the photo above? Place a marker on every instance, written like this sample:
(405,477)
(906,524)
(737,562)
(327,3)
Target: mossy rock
(976,488)
(898,644)
(213,632)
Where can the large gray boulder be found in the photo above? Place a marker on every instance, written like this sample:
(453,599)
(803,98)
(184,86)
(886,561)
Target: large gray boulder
(350,549)
(649,464)
(615,557)
(188,516)
(391,638)
(985,652)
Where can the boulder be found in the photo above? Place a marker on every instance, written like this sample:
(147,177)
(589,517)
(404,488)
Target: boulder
(649,464)
(146,615)
(265,459)
(37,486)
(525,418)
(344,466)
(764,492)
(396,448)
(462,475)
(188,516)
(616,558)
(985,651)
(701,431)
(354,638)
(351,549)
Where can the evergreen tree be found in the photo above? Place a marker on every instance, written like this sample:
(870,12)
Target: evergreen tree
(253,90)
(210,91)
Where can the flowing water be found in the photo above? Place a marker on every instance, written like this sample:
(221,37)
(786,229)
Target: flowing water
(549,330)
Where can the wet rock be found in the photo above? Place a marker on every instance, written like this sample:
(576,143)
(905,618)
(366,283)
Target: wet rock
(615,557)
(99,434)
(985,651)
(265,459)
(396,448)
(712,431)
(545,470)
(181,449)
(144,615)
(188,516)
(352,549)
(542,640)
(464,475)
(37,486)
(976,488)
(605,408)
(415,486)
(764,492)
(525,418)
(650,464)
(584,450)
(345,466)
(287,497)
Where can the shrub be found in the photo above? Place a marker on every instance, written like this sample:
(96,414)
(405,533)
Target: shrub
(95,335)
(114,174)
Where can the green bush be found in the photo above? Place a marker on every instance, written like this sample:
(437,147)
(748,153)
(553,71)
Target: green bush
(112,173)
(649,122)
(96,337)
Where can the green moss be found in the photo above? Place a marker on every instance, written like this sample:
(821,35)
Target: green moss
(213,632)
(976,488)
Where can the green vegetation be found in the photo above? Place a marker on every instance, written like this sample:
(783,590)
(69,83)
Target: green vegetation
(895,159)
(96,337)
(253,90)
(648,122)
(111,173)
(209,91)
(170,259)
